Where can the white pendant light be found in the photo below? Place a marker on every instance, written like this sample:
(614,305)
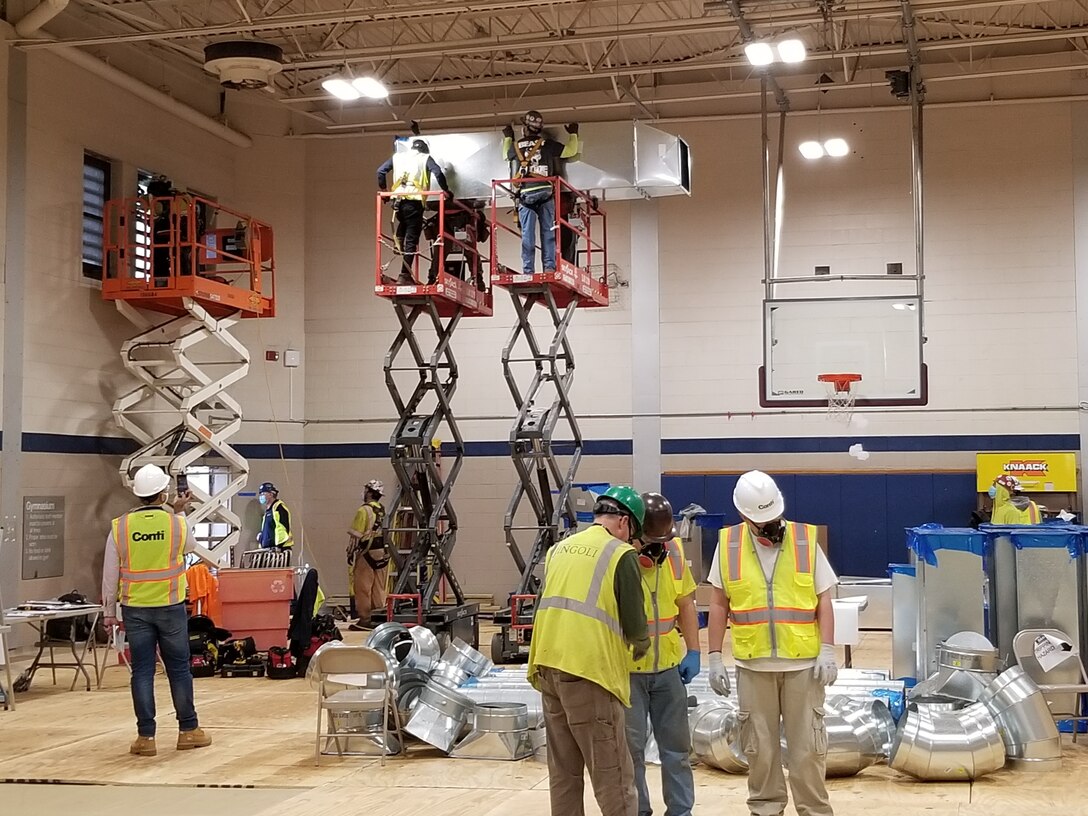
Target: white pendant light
(836,147)
(811,150)
(340,88)
(759,53)
(370,87)
(791,50)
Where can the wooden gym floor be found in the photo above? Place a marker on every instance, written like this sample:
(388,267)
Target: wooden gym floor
(262,763)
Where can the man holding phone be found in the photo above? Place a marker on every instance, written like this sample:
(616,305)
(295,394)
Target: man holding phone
(144,572)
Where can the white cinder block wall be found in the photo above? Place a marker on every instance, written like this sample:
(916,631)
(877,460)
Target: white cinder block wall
(1000,314)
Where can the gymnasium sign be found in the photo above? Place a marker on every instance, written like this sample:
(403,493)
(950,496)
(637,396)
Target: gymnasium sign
(1038,472)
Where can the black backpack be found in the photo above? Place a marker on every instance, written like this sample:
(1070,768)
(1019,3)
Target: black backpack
(70,629)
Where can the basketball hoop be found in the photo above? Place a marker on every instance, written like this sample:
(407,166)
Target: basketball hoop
(840,395)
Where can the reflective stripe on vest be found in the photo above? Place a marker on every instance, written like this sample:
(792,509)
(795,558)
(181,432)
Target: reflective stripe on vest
(1033,513)
(584,607)
(775,616)
(162,584)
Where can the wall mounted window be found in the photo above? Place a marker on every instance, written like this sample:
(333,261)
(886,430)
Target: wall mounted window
(96,191)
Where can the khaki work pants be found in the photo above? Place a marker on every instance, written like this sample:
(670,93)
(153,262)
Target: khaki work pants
(773,703)
(586,729)
(369,586)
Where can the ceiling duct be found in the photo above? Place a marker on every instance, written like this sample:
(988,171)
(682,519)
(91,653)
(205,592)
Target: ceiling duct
(243,64)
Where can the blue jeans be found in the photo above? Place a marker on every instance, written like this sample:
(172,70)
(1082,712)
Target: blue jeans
(165,628)
(662,698)
(528,218)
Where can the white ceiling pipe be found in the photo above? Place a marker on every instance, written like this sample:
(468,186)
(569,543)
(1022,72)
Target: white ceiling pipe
(30,26)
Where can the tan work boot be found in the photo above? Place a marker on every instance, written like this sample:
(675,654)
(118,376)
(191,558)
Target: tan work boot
(193,739)
(143,746)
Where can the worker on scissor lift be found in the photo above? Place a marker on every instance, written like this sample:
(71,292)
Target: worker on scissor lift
(276,531)
(589,618)
(658,679)
(412,171)
(470,227)
(368,556)
(533,158)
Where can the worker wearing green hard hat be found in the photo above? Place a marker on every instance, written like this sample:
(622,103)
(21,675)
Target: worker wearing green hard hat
(590,622)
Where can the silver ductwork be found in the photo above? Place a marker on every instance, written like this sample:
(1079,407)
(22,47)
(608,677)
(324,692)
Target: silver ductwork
(462,656)
(716,737)
(858,735)
(936,745)
(1031,739)
(500,731)
(621,160)
(440,716)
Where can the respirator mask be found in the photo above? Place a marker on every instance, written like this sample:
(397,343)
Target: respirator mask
(769,534)
(652,554)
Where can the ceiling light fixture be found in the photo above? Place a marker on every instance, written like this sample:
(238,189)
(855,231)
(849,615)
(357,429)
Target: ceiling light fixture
(370,87)
(759,53)
(791,50)
(811,150)
(836,147)
(340,88)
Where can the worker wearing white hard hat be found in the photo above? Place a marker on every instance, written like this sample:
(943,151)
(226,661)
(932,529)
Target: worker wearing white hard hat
(772,583)
(368,557)
(144,572)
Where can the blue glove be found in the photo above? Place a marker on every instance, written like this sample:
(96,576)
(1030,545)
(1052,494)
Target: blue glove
(689,666)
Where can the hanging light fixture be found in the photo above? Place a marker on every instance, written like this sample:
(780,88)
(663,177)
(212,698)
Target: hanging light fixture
(340,88)
(791,50)
(836,147)
(370,87)
(759,53)
(811,150)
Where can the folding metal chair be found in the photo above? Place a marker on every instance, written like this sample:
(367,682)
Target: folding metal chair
(1064,684)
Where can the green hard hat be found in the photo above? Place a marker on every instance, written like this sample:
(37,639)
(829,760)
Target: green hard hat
(630,500)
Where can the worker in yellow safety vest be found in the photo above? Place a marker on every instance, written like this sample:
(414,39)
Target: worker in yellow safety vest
(144,571)
(412,171)
(276,532)
(368,556)
(658,696)
(773,583)
(1011,506)
(589,616)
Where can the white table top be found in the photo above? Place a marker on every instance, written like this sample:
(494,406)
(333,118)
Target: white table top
(53,612)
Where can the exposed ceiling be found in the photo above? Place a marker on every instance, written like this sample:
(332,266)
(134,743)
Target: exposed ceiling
(478,63)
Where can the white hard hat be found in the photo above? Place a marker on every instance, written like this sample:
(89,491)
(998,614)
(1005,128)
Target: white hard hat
(376,486)
(150,481)
(758,498)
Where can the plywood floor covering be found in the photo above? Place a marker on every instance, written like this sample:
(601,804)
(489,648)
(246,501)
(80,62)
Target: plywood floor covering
(263,744)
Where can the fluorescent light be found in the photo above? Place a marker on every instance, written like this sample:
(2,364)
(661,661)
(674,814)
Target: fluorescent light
(836,147)
(759,53)
(370,87)
(811,150)
(903,307)
(792,50)
(340,88)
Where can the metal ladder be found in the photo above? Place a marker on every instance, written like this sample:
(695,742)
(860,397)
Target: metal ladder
(431,526)
(190,394)
(535,456)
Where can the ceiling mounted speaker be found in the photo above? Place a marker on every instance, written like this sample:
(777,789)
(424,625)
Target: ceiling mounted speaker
(243,64)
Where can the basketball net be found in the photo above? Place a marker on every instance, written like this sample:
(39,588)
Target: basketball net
(840,395)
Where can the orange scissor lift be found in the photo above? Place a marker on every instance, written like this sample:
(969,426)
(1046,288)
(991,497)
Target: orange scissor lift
(204,267)
(539,372)
(428,379)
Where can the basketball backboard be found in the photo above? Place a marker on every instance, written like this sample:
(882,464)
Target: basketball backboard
(879,338)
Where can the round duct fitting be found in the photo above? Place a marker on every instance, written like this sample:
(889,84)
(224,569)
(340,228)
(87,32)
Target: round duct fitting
(243,64)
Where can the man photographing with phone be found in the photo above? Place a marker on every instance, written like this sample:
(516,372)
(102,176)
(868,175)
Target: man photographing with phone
(144,572)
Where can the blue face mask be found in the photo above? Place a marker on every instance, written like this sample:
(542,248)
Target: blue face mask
(262,498)
(993,491)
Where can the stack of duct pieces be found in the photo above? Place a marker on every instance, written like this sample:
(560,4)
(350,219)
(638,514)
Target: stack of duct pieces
(428,695)
(966,720)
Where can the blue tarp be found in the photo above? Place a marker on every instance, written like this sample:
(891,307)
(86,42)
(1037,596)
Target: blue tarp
(926,540)
(901,569)
(1052,535)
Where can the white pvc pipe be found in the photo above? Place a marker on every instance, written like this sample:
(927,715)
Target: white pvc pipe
(30,26)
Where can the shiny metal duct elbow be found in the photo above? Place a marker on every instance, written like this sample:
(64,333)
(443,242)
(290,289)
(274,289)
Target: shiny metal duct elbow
(1031,738)
(935,745)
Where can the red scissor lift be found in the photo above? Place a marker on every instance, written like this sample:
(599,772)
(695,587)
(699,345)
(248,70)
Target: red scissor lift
(539,373)
(424,573)
(205,266)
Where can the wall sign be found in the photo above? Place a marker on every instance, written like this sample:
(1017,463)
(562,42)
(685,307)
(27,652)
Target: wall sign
(43,537)
(1038,472)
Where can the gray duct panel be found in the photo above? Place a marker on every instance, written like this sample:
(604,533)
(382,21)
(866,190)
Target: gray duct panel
(625,160)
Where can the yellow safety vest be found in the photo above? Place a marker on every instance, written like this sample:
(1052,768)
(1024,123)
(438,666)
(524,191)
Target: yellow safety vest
(410,174)
(1011,514)
(151,550)
(663,585)
(774,621)
(284,538)
(577,624)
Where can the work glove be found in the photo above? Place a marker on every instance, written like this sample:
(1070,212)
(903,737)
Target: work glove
(508,132)
(689,666)
(719,679)
(638,650)
(827,665)
(572,128)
